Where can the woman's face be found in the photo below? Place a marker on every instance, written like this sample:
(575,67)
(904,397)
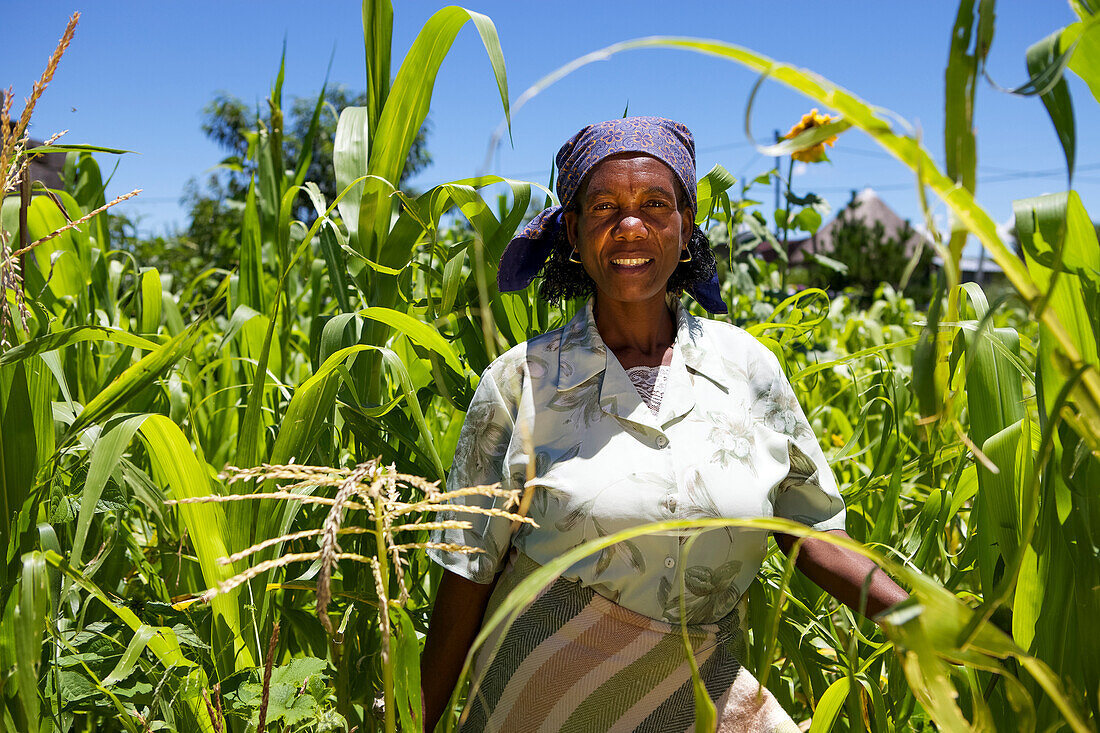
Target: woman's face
(627,229)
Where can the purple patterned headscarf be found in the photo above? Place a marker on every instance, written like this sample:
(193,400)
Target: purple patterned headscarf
(667,141)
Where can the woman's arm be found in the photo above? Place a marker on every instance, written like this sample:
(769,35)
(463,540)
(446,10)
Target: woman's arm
(840,572)
(456,618)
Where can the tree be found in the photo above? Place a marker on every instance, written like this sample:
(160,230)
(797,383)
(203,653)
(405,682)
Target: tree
(215,208)
(228,121)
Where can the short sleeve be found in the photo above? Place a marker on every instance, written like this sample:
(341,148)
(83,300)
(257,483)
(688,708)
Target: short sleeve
(808,494)
(479,460)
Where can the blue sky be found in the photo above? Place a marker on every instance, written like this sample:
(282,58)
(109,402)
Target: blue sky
(139,73)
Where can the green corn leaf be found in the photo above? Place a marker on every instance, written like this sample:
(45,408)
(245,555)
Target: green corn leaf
(314,398)
(29,627)
(1002,494)
(960,84)
(377,42)
(306,157)
(1045,55)
(406,108)
(136,378)
(106,454)
(829,706)
(177,466)
(164,644)
(452,280)
(75,148)
(250,289)
(1084,38)
(151,297)
(251,435)
(350,156)
(64,260)
(418,331)
(407,678)
(130,656)
(18,453)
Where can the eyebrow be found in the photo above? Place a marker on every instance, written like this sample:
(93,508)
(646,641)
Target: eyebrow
(592,193)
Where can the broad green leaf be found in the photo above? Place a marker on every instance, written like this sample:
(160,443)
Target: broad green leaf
(29,622)
(163,644)
(830,705)
(249,443)
(177,466)
(452,276)
(75,148)
(1044,55)
(406,107)
(63,260)
(106,453)
(350,156)
(18,452)
(151,296)
(1085,61)
(377,43)
(136,378)
(250,288)
(418,331)
(131,655)
(406,650)
(960,83)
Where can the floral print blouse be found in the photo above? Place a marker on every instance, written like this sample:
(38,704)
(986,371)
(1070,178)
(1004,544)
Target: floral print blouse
(729,440)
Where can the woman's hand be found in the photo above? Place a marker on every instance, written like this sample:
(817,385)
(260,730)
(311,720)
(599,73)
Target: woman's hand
(841,573)
(456,617)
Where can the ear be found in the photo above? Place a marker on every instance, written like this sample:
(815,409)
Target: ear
(570,220)
(687,225)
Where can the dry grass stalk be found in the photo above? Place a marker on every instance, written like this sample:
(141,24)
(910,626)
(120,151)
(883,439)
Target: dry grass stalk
(76,223)
(47,76)
(329,546)
(284,538)
(215,717)
(243,577)
(371,487)
(284,495)
(14,167)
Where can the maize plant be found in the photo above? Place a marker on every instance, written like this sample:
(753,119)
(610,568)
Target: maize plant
(146,584)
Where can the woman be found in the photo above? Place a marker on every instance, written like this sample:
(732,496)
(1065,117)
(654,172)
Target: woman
(636,412)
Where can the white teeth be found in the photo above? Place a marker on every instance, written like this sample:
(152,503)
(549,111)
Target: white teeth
(633,262)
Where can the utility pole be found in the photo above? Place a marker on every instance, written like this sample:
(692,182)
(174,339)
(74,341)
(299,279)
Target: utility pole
(777,181)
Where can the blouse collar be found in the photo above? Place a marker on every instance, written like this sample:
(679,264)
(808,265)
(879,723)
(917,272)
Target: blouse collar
(582,353)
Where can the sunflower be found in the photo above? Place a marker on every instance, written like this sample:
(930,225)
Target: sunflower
(815,153)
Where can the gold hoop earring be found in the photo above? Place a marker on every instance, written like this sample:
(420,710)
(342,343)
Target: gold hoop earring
(573,257)
(687,252)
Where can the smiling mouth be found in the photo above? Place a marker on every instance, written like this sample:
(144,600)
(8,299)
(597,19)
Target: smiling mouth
(631,261)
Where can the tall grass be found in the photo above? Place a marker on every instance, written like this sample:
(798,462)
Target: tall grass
(965,438)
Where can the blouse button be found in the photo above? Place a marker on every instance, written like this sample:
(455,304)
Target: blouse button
(662,441)
(670,562)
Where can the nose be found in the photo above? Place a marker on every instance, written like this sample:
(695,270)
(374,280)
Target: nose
(630,227)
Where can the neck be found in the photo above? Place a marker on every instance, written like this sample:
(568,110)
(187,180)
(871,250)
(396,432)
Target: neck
(637,333)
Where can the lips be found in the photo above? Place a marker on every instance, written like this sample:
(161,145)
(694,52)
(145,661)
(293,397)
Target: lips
(631,261)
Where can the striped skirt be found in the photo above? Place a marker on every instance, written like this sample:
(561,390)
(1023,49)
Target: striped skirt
(575,661)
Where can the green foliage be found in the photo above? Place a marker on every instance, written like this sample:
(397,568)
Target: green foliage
(297,697)
(357,328)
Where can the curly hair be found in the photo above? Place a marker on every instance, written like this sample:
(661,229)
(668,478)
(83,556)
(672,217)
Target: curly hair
(565,280)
